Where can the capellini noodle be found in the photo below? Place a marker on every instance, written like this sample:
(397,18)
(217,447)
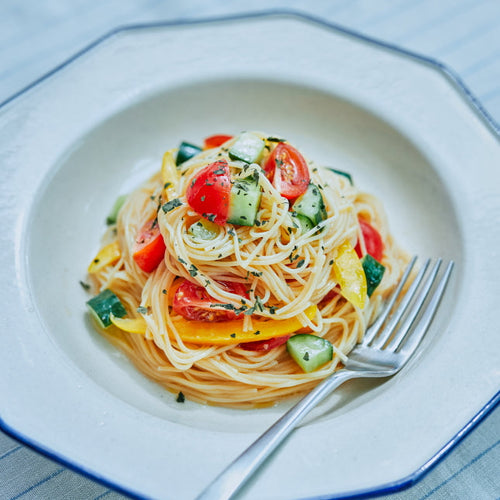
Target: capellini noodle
(285,268)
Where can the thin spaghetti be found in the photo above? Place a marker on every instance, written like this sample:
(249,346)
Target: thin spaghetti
(287,271)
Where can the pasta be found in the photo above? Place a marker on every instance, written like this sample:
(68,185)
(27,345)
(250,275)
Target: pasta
(212,317)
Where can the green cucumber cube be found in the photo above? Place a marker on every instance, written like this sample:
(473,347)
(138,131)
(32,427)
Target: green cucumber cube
(310,352)
(186,151)
(248,148)
(347,175)
(244,201)
(103,305)
(374,272)
(203,230)
(311,205)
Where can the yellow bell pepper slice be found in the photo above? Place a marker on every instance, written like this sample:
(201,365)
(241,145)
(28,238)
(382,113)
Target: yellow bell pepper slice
(169,175)
(106,256)
(349,274)
(223,332)
(231,332)
(132,325)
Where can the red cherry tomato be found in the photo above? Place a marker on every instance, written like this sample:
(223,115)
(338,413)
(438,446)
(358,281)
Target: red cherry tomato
(288,170)
(208,193)
(192,301)
(149,248)
(214,141)
(373,241)
(264,345)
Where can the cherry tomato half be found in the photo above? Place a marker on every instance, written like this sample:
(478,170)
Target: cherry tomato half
(149,248)
(288,170)
(214,141)
(264,345)
(192,301)
(208,193)
(373,241)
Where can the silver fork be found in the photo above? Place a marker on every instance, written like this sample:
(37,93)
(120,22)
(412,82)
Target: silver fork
(387,346)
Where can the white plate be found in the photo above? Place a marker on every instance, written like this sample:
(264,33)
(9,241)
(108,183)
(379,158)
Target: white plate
(406,130)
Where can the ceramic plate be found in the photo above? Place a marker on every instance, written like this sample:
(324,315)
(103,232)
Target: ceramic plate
(402,125)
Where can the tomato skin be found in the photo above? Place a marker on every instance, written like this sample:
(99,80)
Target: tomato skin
(288,171)
(373,241)
(264,345)
(192,301)
(214,141)
(208,192)
(149,248)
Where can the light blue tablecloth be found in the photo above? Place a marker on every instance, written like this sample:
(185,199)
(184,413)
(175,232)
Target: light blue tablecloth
(36,36)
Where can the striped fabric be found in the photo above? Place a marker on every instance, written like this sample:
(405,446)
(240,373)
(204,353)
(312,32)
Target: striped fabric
(36,36)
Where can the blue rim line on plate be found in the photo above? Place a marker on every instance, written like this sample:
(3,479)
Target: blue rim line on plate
(487,119)
(304,16)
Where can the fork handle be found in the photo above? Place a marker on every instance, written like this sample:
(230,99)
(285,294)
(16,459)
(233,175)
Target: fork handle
(230,480)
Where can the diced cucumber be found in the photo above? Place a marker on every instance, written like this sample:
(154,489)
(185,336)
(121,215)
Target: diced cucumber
(244,201)
(203,229)
(309,351)
(113,215)
(304,223)
(345,174)
(374,272)
(103,305)
(185,152)
(248,147)
(311,205)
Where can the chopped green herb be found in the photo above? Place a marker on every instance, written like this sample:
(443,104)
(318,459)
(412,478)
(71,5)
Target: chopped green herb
(224,306)
(180,397)
(142,310)
(84,285)
(258,304)
(233,335)
(170,205)
(249,311)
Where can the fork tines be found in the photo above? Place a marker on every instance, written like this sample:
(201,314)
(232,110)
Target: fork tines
(402,309)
